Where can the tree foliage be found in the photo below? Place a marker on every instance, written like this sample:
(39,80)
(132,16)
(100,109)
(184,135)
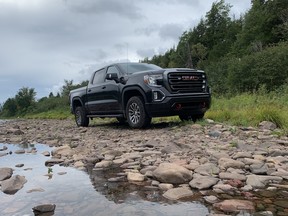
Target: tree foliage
(239,55)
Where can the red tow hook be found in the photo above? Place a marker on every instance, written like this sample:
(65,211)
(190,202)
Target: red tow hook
(178,107)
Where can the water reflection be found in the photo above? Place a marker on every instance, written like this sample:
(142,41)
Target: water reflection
(74,194)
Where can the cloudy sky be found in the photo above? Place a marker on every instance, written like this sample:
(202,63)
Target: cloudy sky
(43,42)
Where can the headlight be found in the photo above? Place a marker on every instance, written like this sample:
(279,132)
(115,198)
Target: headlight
(153,80)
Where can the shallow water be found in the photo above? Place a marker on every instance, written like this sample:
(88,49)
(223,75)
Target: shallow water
(77,193)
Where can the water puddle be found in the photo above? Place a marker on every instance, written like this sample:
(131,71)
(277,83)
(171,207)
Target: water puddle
(76,192)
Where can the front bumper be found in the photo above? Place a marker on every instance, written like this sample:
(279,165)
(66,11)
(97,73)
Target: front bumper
(190,104)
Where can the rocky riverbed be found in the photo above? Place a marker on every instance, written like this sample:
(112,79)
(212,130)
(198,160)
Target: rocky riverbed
(233,169)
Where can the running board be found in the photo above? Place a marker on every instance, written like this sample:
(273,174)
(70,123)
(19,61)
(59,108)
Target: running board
(106,116)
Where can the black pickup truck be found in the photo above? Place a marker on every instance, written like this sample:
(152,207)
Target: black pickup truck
(136,92)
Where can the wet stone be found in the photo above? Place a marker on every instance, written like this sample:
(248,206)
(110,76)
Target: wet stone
(178,193)
(19,165)
(5,173)
(19,151)
(45,208)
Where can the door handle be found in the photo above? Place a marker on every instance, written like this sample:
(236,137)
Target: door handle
(89,90)
(104,87)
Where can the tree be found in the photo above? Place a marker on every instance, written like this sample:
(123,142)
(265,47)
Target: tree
(25,98)
(9,107)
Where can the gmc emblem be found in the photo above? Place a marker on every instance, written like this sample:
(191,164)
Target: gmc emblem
(195,78)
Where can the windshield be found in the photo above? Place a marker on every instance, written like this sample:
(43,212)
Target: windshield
(130,68)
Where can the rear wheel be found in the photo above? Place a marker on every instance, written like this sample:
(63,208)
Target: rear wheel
(80,117)
(194,118)
(136,113)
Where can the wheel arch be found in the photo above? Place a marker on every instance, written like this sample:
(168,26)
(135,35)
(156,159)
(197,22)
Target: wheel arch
(130,92)
(75,103)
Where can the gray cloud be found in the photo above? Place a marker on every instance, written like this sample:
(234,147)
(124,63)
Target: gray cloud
(44,42)
(171,31)
(145,52)
(125,8)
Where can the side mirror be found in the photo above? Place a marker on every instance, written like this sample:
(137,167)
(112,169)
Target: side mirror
(112,76)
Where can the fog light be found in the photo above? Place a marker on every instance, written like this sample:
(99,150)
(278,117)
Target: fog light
(158,95)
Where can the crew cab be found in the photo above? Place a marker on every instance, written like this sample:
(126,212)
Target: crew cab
(137,92)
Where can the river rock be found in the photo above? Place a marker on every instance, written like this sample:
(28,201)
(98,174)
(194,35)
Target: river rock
(135,177)
(235,205)
(12,185)
(165,187)
(62,151)
(172,173)
(19,151)
(46,153)
(5,173)
(227,175)
(178,193)
(45,209)
(211,199)
(225,163)
(203,182)
(207,169)
(266,125)
(53,161)
(103,164)
(242,155)
(260,168)
(257,181)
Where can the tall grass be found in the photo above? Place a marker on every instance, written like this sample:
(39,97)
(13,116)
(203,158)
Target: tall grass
(250,109)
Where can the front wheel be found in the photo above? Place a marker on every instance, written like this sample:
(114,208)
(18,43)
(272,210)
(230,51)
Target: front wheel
(136,114)
(193,118)
(80,117)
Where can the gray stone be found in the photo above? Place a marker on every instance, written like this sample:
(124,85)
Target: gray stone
(5,173)
(203,182)
(260,168)
(53,161)
(242,155)
(227,175)
(211,199)
(225,163)
(19,151)
(103,164)
(135,177)
(266,125)
(165,187)
(19,165)
(46,153)
(214,134)
(12,185)
(257,181)
(207,169)
(178,193)
(44,209)
(172,173)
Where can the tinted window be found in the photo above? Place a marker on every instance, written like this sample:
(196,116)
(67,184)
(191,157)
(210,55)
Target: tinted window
(99,76)
(137,67)
(112,69)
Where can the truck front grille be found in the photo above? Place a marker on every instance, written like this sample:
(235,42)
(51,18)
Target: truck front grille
(187,82)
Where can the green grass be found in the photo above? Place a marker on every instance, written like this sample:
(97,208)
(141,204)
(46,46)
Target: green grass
(251,109)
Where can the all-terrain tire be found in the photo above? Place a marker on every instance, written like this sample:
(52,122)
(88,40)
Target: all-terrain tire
(136,113)
(80,117)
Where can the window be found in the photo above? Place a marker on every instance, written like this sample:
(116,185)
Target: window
(112,69)
(99,76)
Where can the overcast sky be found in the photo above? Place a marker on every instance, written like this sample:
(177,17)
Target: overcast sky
(43,42)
